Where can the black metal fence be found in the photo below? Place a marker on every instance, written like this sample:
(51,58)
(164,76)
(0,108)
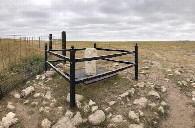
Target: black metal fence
(71,77)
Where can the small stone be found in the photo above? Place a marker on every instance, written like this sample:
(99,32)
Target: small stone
(170,74)
(77,97)
(193,99)
(163,103)
(10,106)
(141,113)
(78,104)
(117,119)
(17,96)
(108,109)
(26,102)
(9,120)
(150,85)
(161,109)
(177,72)
(153,93)
(163,89)
(48,95)
(97,118)
(91,102)
(145,68)
(27,91)
(142,101)
(135,126)
(124,94)
(46,123)
(152,105)
(94,108)
(111,103)
(140,85)
(36,95)
(64,122)
(35,103)
(109,116)
(49,74)
(69,114)
(77,119)
(60,65)
(111,126)
(134,116)
(86,108)
(184,83)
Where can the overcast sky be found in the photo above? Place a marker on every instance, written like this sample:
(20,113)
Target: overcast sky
(124,20)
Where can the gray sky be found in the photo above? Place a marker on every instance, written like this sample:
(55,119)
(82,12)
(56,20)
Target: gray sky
(123,20)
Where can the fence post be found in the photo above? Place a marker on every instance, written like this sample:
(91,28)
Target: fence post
(72,77)
(50,42)
(1,93)
(64,43)
(136,62)
(39,43)
(95,45)
(45,56)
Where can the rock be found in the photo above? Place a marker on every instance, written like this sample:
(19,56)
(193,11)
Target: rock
(91,102)
(46,123)
(77,119)
(10,106)
(64,122)
(48,95)
(140,85)
(111,103)
(35,103)
(17,96)
(109,116)
(27,91)
(193,99)
(26,102)
(153,93)
(111,126)
(152,105)
(142,101)
(97,118)
(44,109)
(127,93)
(135,126)
(60,65)
(150,85)
(77,97)
(177,72)
(170,74)
(145,68)
(163,103)
(69,114)
(141,113)
(184,83)
(108,109)
(133,116)
(78,104)
(90,66)
(49,74)
(163,89)
(117,119)
(86,108)
(9,120)
(36,95)
(94,108)
(161,109)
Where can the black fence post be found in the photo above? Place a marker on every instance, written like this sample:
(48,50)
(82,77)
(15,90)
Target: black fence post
(64,43)
(1,93)
(72,77)
(136,62)
(50,42)
(45,56)
(95,45)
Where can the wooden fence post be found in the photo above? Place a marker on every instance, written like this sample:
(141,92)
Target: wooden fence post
(50,42)
(45,56)
(72,77)
(136,62)
(64,43)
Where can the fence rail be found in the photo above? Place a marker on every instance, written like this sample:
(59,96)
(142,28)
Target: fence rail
(71,77)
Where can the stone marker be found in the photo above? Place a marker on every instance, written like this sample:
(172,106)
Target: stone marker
(90,66)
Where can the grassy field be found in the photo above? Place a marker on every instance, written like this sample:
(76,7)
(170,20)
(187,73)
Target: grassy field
(158,64)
